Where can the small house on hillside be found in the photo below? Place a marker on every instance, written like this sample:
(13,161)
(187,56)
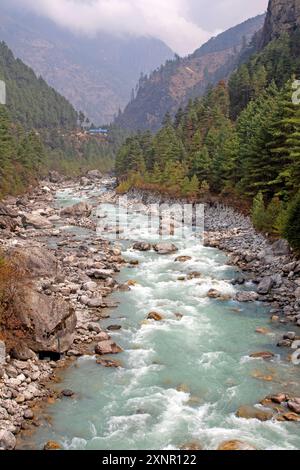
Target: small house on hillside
(99,131)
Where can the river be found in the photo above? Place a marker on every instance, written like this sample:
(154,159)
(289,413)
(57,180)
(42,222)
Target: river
(184,377)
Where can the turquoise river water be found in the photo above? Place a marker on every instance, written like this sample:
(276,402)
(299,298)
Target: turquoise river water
(183,378)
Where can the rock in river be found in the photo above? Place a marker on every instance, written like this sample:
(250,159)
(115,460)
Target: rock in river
(140,246)
(7,440)
(82,209)
(155,316)
(246,296)
(235,445)
(107,347)
(165,248)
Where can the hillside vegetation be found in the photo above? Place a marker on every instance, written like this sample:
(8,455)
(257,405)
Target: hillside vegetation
(240,141)
(38,131)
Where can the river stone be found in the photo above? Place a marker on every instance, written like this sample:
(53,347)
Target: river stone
(109,363)
(246,296)
(141,246)
(250,412)
(48,323)
(22,353)
(214,294)
(165,248)
(96,302)
(28,414)
(36,221)
(294,405)
(52,445)
(94,175)
(291,335)
(262,355)
(2,352)
(155,316)
(67,393)
(7,440)
(38,261)
(183,259)
(235,445)
(82,209)
(265,285)
(107,347)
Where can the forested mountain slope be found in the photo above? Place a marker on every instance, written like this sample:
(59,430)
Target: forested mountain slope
(38,131)
(240,142)
(173,84)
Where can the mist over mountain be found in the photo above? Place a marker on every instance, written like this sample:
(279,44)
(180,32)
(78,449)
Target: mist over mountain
(96,74)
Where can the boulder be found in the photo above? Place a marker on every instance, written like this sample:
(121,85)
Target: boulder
(109,363)
(281,248)
(52,445)
(22,352)
(214,294)
(235,445)
(250,412)
(155,316)
(262,355)
(100,273)
(141,246)
(7,211)
(165,248)
(294,405)
(94,175)
(36,221)
(265,285)
(107,347)
(7,440)
(9,223)
(47,322)
(55,177)
(95,302)
(2,352)
(246,296)
(82,209)
(183,259)
(38,261)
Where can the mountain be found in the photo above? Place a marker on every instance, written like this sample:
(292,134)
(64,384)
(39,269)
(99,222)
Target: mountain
(30,100)
(238,144)
(173,84)
(38,131)
(283,16)
(96,74)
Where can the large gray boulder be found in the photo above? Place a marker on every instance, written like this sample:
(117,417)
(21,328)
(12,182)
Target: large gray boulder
(36,221)
(82,209)
(246,296)
(38,261)
(265,285)
(7,440)
(48,323)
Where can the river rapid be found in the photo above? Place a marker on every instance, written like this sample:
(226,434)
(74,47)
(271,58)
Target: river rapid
(183,378)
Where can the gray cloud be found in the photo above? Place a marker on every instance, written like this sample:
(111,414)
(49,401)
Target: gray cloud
(183,24)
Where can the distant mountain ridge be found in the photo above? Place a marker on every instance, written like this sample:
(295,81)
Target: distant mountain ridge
(171,86)
(95,74)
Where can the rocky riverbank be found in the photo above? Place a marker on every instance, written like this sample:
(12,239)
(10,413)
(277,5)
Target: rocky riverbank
(61,292)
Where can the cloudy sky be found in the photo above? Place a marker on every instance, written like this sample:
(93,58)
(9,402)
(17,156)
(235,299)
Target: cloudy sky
(182,24)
